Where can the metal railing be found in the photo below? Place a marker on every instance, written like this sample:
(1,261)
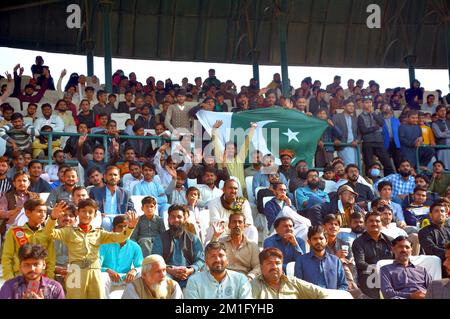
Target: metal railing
(158,139)
(104,137)
(342,145)
(438,147)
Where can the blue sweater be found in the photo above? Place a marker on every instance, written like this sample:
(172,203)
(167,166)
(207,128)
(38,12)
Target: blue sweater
(326,272)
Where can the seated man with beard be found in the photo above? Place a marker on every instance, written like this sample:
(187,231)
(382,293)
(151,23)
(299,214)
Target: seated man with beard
(299,180)
(261,179)
(403,182)
(153,283)
(319,266)
(218,282)
(310,195)
(221,208)
(342,207)
(181,250)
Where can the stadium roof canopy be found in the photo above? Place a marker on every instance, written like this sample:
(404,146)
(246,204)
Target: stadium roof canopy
(319,32)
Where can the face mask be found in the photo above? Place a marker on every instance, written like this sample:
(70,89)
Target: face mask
(375,172)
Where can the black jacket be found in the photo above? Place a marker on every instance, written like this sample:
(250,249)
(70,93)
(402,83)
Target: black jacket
(367,253)
(432,240)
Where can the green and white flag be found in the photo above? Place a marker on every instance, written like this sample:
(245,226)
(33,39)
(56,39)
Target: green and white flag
(278,129)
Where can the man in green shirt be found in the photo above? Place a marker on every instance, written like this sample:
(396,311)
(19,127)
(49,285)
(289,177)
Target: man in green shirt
(273,284)
(440,179)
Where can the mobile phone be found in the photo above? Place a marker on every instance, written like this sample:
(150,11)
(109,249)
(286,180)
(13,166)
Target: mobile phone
(33,286)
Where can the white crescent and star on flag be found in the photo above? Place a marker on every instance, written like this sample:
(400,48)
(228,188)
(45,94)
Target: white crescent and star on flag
(291,135)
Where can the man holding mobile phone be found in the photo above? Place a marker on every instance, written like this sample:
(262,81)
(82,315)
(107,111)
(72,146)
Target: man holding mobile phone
(32,284)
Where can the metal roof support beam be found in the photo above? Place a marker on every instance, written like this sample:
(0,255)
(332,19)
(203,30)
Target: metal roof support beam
(255,52)
(282,27)
(410,61)
(448,44)
(106,6)
(90,63)
(89,43)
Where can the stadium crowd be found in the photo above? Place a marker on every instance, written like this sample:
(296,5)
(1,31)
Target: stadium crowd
(156,217)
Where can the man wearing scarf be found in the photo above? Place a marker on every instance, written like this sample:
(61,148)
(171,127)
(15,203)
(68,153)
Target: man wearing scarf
(220,209)
(181,250)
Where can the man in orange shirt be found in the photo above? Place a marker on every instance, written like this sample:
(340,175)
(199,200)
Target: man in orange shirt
(129,156)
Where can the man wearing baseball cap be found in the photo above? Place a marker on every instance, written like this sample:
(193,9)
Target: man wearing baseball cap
(343,207)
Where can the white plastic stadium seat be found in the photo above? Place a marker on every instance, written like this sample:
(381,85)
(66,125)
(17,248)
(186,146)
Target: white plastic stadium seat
(44,196)
(432,264)
(15,103)
(290,268)
(137,201)
(25,80)
(248,185)
(330,187)
(2,146)
(301,224)
(50,97)
(192,182)
(120,118)
(257,190)
(116,294)
(267,199)
(338,294)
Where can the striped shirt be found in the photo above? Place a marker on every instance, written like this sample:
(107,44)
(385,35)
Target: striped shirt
(22,136)
(5,185)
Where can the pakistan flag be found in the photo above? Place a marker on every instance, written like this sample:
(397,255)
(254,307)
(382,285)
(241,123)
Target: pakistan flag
(277,129)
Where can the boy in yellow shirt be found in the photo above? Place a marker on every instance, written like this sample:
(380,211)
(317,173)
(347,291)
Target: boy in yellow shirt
(427,132)
(31,233)
(83,242)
